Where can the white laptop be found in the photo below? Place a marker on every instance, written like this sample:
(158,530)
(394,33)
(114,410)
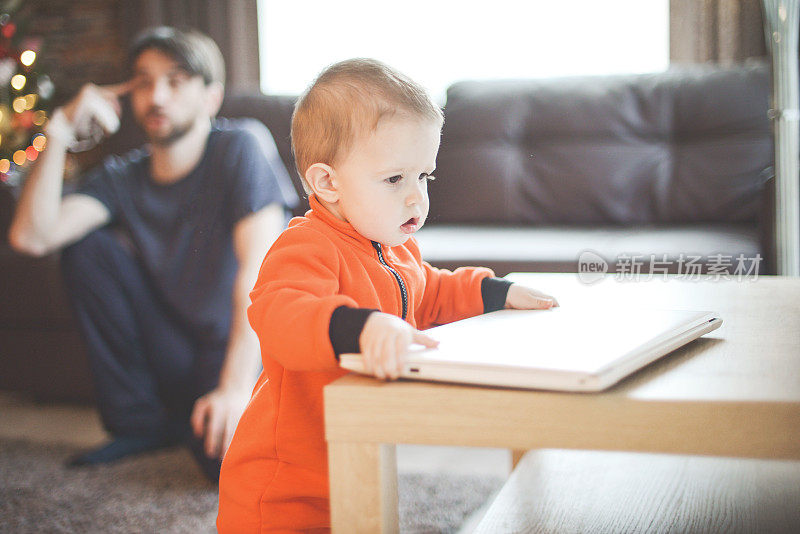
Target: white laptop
(557,349)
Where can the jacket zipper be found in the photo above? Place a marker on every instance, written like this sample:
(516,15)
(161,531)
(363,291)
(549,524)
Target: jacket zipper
(403,292)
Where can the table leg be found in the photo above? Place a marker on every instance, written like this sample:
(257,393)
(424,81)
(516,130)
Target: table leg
(516,456)
(363,484)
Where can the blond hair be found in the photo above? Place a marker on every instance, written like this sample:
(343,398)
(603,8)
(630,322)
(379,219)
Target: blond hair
(349,99)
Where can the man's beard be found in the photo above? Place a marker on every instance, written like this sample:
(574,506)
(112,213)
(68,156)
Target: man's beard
(176,131)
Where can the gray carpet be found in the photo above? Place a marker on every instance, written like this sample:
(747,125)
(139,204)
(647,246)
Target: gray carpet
(165,492)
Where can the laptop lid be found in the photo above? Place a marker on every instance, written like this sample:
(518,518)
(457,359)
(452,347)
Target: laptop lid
(557,349)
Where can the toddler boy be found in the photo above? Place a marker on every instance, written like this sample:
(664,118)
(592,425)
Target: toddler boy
(347,277)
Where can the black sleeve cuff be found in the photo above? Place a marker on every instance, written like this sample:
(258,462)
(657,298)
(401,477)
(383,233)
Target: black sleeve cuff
(345,329)
(494,292)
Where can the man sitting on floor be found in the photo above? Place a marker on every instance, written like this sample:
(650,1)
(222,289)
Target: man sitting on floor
(161,247)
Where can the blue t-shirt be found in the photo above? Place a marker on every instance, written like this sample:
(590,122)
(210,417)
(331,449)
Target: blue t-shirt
(183,232)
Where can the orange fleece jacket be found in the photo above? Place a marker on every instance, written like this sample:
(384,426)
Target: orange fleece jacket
(275,473)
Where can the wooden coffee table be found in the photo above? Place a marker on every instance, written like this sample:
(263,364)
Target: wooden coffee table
(734,393)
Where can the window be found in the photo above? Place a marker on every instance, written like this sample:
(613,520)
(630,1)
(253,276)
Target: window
(437,42)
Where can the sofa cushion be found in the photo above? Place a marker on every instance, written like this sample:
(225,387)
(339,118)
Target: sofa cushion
(558,249)
(688,145)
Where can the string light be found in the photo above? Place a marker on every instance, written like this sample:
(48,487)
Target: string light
(19,104)
(27,57)
(18,81)
(20,157)
(39,142)
(20,116)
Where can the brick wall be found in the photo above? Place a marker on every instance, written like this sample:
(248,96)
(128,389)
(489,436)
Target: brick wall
(83,40)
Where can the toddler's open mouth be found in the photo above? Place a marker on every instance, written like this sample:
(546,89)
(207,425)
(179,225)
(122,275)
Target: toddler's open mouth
(411,225)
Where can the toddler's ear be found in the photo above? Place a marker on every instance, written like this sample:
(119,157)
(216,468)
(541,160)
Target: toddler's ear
(320,179)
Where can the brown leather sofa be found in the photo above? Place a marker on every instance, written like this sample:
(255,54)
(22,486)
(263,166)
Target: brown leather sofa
(530,174)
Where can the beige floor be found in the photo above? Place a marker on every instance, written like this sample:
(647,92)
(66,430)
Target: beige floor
(48,423)
(79,425)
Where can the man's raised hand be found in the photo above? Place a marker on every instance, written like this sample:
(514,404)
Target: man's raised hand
(94,107)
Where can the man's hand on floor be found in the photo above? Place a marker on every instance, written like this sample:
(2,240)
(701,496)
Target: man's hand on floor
(215,416)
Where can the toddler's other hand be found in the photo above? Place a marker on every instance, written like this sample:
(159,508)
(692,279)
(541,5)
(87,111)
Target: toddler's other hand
(384,342)
(525,298)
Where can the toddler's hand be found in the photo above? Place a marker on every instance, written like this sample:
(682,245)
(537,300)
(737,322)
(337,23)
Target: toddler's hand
(525,298)
(384,342)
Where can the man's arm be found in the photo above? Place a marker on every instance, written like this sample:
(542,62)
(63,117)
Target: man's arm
(43,221)
(217,413)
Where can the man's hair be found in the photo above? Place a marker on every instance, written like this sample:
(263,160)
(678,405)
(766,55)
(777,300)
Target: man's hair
(349,99)
(195,52)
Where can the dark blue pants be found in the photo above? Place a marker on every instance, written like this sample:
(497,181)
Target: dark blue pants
(147,368)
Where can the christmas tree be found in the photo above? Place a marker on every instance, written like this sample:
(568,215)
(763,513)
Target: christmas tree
(25,92)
